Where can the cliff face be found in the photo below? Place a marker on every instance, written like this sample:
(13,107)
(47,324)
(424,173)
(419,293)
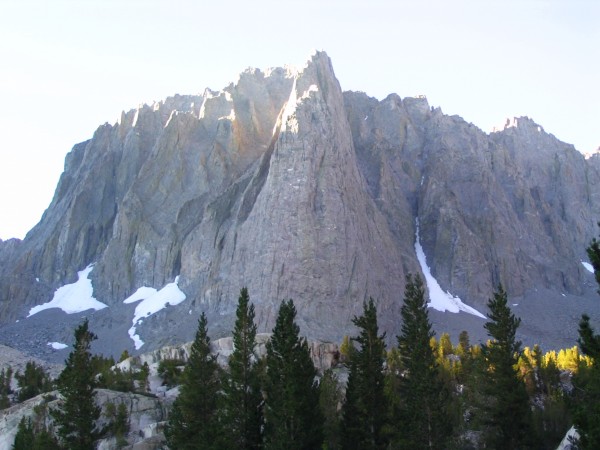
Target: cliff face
(515,207)
(284,184)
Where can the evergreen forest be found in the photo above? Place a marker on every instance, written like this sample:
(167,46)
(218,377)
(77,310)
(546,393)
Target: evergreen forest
(424,392)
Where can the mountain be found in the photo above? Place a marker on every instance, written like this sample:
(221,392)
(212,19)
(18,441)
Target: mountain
(284,183)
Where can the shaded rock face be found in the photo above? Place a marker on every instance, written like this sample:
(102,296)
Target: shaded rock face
(146,417)
(324,355)
(287,185)
(515,207)
(147,413)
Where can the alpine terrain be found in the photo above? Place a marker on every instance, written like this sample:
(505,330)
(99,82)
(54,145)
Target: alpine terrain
(289,186)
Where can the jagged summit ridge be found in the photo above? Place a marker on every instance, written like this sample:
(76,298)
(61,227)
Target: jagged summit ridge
(519,122)
(284,183)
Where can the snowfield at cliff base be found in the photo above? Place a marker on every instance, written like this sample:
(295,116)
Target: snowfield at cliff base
(438,299)
(79,296)
(73,298)
(152,301)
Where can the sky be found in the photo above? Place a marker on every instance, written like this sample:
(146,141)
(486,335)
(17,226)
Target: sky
(69,66)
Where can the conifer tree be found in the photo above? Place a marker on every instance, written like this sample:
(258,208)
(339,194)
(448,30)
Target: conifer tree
(34,434)
(241,405)
(25,437)
(45,440)
(5,389)
(292,417)
(550,415)
(193,420)
(364,412)
(593,252)
(77,416)
(118,425)
(422,420)
(464,343)
(507,413)
(33,381)
(586,415)
(587,409)
(330,399)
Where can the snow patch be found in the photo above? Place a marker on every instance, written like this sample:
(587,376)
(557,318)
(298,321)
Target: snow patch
(438,299)
(57,345)
(73,298)
(135,117)
(588,266)
(173,114)
(152,301)
(140,294)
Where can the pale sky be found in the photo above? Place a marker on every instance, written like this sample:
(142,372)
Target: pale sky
(67,67)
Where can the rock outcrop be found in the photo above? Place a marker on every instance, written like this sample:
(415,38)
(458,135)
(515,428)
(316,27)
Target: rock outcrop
(146,415)
(325,355)
(285,184)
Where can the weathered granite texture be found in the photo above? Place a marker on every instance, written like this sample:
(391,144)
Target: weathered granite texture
(285,184)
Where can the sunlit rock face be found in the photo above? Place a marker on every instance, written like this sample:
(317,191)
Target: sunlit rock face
(284,183)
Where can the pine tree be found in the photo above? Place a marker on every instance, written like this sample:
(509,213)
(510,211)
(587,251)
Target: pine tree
(5,389)
(77,416)
(550,417)
(34,434)
(142,378)
(464,344)
(193,420)
(118,422)
(507,413)
(422,420)
(593,252)
(292,417)
(589,342)
(587,383)
(364,412)
(587,410)
(25,437)
(34,381)
(241,405)
(330,399)
(45,440)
